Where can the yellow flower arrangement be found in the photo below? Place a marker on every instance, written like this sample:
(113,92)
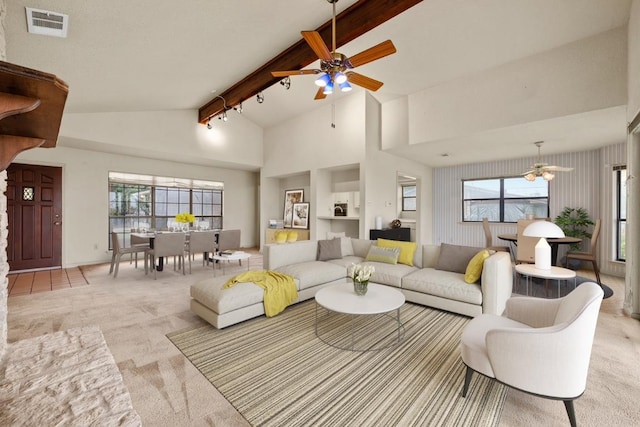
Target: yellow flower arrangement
(185,217)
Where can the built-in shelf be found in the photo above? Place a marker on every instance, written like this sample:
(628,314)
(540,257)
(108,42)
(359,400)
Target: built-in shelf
(341,218)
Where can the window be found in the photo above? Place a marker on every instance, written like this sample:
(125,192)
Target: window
(408,197)
(621,211)
(504,199)
(140,201)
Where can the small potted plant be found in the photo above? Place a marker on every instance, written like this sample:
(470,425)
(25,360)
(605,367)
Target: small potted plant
(361,273)
(575,222)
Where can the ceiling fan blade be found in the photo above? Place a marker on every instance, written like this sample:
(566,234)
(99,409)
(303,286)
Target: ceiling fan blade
(376,52)
(318,45)
(293,73)
(528,172)
(557,168)
(364,81)
(320,94)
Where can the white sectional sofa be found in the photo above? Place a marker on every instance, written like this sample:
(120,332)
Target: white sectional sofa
(421,283)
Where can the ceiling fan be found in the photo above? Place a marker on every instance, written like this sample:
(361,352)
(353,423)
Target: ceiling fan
(543,169)
(334,65)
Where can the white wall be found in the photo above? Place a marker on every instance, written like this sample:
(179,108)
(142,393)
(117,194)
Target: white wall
(583,187)
(633,79)
(583,76)
(170,135)
(85,196)
(308,145)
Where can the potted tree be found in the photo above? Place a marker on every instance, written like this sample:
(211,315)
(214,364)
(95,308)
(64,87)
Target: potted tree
(575,222)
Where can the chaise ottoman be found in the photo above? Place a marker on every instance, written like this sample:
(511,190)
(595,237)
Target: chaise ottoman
(226,307)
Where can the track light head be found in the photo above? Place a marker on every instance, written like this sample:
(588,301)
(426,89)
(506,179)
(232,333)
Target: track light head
(209,124)
(238,108)
(286,82)
(260,98)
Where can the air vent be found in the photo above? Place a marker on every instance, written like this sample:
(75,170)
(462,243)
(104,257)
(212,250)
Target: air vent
(47,23)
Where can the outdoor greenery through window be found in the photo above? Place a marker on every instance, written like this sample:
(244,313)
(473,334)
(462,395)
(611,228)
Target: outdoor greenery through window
(504,199)
(408,197)
(621,211)
(149,202)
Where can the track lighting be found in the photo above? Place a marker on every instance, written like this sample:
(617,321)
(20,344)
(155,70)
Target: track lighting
(286,82)
(223,116)
(260,98)
(238,108)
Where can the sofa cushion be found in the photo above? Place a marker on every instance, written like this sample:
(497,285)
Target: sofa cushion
(209,293)
(329,249)
(407,249)
(361,247)
(335,235)
(313,273)
(346,261)
(474,268)
(384,255)
(346,246)
(444,284)
(455,258)
(390,274)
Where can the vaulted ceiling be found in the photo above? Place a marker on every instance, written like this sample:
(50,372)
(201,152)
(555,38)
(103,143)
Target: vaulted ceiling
(145,55)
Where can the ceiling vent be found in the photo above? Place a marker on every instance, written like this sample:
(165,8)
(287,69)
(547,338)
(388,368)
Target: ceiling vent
(47,23)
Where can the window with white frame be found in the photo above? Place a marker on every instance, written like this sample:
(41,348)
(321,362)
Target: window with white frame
(408,197)
(504,199)
(620,173)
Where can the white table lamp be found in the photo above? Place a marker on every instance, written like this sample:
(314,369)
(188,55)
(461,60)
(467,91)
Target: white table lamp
(543,229)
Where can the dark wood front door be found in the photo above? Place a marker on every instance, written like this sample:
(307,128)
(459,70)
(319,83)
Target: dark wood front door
(34,210)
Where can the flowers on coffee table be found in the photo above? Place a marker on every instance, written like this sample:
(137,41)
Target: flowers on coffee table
(360,274)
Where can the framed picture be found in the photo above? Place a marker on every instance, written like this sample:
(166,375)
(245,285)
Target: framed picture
(291,197)
(300,215)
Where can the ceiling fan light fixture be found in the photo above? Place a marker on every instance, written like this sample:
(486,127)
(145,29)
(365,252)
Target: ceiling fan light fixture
(345,86)
(548,176)
(323,80)
(340,78)
(530,177)
(328,89)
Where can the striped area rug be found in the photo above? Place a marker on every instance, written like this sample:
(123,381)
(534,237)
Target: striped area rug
(276,372)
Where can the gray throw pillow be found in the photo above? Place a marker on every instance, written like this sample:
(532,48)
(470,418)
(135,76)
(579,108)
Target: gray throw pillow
(385,255)
(329,249)
(455,258)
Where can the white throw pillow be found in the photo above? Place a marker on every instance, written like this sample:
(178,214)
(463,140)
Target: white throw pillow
(333,235)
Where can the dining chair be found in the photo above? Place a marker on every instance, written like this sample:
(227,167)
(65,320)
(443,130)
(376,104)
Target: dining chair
(591,255)
(201,242)
(139,242)
(118,251)
(165,245)
(525,251)
(489,238)
(228,240)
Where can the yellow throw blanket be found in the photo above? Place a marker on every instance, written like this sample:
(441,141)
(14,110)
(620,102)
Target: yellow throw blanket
(279,289)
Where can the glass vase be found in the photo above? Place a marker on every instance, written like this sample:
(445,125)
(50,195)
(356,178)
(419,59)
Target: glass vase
(360,288)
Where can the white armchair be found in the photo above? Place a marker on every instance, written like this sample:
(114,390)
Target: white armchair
(538,346)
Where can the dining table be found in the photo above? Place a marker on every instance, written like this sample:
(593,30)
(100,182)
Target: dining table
(554,242)
(151,235)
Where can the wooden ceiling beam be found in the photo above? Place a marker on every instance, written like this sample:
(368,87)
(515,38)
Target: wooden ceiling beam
(353,22)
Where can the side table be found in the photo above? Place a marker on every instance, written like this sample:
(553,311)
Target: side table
(554,273)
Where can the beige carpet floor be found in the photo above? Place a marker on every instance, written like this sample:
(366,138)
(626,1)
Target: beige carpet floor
(135,313)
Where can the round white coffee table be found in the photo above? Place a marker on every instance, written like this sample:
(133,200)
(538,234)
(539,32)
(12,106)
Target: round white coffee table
(236,256)
(379,300)
(554,273)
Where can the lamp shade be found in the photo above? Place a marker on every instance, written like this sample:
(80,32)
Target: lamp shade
(543,229)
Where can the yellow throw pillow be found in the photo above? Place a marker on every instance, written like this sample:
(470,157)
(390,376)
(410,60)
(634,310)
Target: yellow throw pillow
(474,268)
(407,249)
